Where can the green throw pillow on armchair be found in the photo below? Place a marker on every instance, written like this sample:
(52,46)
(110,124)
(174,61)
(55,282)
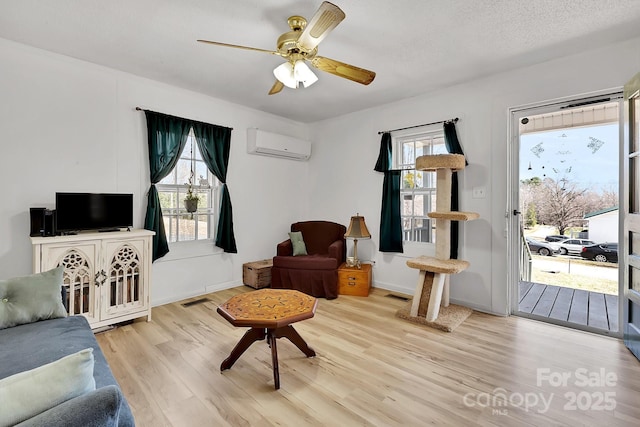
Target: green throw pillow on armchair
(299,248)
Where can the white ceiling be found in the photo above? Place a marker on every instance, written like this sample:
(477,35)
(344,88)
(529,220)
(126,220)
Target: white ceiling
(414,46)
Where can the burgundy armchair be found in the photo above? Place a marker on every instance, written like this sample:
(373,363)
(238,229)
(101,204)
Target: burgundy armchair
(314,274)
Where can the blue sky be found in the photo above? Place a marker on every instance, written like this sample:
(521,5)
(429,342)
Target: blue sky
(585,155)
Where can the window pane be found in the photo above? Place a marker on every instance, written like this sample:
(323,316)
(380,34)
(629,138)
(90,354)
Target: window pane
(204,200)
(202,226)
(201,174)
(186,151)
(196,150)
(420,181)
(407,205)
(421,230)
(184,171)
(419,205)
(170,226)
(408,179)
(408,153)
(422,148)
(168,199)
(186,226)
(406,228)
(438,146)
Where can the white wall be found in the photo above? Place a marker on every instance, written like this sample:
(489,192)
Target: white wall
(68,125)
(351,144)
(604,227)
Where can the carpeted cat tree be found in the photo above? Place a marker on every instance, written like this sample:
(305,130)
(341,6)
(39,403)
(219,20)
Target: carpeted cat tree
(430,304)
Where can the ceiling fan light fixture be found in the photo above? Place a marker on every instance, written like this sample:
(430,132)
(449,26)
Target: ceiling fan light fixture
(291,74)
(303,73)
(285,74)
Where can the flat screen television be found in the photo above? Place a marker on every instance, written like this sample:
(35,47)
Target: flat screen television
(93,211)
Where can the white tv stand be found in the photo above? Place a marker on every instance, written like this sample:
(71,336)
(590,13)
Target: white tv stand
(107,276)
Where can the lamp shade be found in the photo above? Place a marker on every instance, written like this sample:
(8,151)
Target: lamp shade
(303,73)
(357,228)
(291,74)
(284,73)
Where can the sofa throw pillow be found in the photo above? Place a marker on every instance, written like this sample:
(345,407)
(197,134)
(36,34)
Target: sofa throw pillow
(299,248)
(31,298)
(29,393)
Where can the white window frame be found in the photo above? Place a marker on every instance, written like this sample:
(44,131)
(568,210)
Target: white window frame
(208,187)
(417,227)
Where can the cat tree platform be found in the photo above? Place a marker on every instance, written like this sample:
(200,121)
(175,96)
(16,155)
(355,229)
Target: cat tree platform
(432,163)
(434,272)
(435,265)
(454,215)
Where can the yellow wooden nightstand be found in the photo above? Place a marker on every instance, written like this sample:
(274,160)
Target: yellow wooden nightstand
(354,281)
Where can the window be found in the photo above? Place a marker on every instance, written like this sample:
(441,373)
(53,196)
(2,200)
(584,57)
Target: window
(417,189)
(179,224)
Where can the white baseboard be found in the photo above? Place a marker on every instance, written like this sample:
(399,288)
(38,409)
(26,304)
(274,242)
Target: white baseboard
(393,288)
(409,291)
(207,290)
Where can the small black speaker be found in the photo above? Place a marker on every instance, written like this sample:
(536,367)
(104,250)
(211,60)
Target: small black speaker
(37,221)
(49,222)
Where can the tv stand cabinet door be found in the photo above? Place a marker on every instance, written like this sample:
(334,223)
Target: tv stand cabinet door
(81,274)
(126,289)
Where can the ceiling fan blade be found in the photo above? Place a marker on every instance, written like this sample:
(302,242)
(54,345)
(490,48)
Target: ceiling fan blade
(327,17)
(277,87)
(340,69)
(273,52)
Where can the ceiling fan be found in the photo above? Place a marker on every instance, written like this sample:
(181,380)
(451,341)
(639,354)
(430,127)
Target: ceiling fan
(301,44)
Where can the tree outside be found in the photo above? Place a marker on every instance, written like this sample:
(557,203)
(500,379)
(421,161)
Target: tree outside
(562,203)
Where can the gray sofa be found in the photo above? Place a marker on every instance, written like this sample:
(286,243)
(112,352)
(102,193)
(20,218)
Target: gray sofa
(31,345)
(52,371)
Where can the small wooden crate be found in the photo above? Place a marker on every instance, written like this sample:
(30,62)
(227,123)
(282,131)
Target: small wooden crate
(257,274)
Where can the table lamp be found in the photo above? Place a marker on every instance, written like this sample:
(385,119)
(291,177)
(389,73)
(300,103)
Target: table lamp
(357,230)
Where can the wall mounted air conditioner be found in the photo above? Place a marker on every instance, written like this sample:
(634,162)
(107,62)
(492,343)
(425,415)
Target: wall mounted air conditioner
(275,145)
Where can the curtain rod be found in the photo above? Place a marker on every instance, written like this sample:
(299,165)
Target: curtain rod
(417,126)
(142,109)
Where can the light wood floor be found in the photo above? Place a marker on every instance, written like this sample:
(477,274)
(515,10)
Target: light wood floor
(371,368)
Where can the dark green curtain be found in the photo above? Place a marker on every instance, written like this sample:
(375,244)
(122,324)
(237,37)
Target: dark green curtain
(166,136)
(453,146)
(390,221)
(215,144)
(384,157)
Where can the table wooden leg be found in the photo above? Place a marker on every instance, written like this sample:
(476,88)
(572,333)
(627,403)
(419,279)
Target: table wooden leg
(251,336)
(293,336)
(272,339)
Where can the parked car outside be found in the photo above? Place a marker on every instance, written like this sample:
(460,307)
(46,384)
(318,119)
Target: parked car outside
(541,248)
(571,246)
(555,238)
(601,252)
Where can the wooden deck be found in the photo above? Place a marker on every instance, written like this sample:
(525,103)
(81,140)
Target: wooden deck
(570,305)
